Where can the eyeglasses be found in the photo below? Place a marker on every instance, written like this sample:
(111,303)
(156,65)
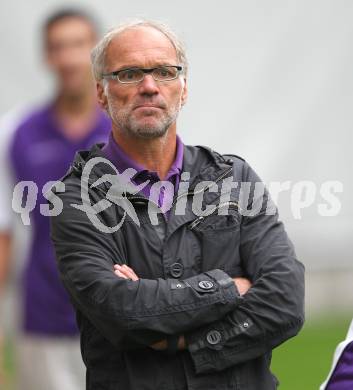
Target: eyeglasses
(136,75)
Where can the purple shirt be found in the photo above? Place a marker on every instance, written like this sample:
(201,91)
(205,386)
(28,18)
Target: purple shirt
(342,376)
(114,153)
(40,152)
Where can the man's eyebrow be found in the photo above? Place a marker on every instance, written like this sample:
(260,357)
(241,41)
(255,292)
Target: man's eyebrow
(134,66)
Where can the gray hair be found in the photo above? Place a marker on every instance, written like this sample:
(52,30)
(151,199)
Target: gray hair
(98,53)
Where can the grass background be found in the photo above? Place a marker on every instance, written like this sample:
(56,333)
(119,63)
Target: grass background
(301,363)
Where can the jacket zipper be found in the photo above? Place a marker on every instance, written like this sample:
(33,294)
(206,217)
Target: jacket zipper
(201,218)
(176,198)
(141,198)
(202,189)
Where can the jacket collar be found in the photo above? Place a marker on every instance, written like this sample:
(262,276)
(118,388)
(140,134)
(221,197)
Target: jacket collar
(200,161)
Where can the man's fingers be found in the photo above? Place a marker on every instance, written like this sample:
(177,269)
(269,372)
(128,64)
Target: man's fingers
(118,273)
(126,268)
(121,272)
(160,345)
(242,284)
(125,272)
(131,270)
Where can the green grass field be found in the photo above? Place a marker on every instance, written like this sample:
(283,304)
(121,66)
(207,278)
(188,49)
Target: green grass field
(302,363)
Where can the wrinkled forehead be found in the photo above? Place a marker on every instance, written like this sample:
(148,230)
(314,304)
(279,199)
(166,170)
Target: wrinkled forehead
(141,46)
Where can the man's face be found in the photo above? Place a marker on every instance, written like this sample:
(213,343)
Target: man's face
(68,45)
(149,108)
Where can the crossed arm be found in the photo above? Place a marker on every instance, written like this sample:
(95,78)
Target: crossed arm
(126,272)
(248,326)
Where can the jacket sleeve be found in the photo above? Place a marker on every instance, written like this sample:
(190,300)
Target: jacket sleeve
(141,312)
(271,311)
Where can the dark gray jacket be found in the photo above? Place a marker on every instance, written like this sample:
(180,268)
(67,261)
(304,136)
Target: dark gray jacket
(185,268)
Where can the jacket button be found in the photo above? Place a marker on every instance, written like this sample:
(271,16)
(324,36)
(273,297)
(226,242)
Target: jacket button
(205,284)
(213,337)
(176,270)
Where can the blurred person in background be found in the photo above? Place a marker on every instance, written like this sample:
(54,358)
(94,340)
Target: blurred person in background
(41,148)
(341,373)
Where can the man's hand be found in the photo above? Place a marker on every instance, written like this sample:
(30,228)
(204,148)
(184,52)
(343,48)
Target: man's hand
(124,271)
(242,284)
(163,345)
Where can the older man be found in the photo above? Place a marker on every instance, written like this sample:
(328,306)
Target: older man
(157,246)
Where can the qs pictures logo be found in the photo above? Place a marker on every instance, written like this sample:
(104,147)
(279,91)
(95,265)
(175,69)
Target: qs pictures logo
(120,186)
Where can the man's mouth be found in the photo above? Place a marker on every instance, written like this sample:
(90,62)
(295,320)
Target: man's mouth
(148,106)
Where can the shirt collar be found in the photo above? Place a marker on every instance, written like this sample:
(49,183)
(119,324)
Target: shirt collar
(122,161)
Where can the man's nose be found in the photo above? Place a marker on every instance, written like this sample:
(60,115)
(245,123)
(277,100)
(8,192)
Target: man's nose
(148,86)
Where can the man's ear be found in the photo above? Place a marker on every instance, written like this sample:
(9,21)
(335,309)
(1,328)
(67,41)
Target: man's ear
(102,98)
(184,93)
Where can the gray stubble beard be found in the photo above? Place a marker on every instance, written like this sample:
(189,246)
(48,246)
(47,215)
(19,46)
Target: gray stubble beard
(126,123)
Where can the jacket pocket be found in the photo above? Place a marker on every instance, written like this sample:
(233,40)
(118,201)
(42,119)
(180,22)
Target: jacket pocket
(219,237)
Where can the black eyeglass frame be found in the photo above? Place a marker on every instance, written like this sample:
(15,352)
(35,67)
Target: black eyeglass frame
(115,75)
